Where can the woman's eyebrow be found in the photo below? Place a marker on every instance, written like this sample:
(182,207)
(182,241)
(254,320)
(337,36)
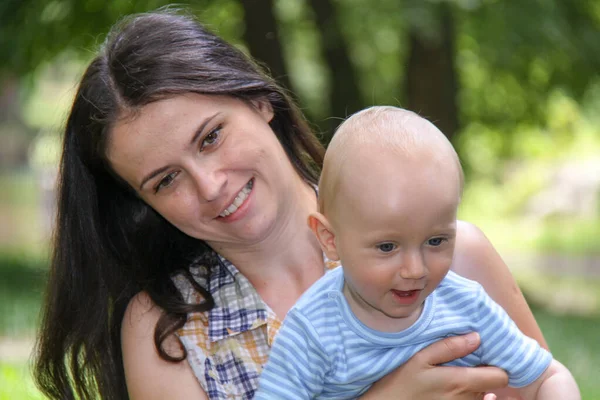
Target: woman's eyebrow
(152,175)
(197,134)
(201,128)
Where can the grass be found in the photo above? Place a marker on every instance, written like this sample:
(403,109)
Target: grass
(574,342)
(16,382)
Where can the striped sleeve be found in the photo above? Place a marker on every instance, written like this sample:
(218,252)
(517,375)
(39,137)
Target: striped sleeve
(503,345)
(297,363)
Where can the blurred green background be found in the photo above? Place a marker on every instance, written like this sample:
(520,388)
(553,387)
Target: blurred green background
(515,85)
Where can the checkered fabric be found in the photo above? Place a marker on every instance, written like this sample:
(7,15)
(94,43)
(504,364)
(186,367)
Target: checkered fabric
(229,345)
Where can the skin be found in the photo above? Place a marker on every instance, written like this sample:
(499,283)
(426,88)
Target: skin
(396,232)
(207,179)
(393,232)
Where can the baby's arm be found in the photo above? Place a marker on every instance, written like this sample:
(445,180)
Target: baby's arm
(531,369)
(297,363)
(555,383)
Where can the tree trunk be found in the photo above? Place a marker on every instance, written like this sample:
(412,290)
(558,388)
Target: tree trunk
(344,96)
(431,81)
(262,37)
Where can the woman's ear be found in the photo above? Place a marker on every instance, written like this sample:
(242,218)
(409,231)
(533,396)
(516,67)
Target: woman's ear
(264,108)
(325,234)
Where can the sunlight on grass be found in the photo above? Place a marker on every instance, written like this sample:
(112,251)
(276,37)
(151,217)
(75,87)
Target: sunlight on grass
(574,295)
(574,342)
(16,383)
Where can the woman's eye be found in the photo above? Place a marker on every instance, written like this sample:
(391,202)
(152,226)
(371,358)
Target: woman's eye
(436,241)
(386,247)
(211,138)
(166,181)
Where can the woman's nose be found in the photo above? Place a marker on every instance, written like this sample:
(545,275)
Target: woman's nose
(413,266)
(210,183)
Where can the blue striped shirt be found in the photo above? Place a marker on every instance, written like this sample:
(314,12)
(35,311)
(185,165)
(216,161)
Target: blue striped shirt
(324,351)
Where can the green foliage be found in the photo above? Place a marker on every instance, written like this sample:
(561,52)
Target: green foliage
(529,97)
(509,55)
(538,44)
(376,37)
(34,32)
(302,54)
(504,175)
(20,214)
(16,382)
(574,342)
(568,236)
(22,280)
(48,101)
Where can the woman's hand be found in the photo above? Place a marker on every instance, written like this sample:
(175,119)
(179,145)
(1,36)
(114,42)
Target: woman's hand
(422,378)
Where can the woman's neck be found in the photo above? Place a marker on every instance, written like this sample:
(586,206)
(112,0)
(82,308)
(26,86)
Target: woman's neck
(289,255)
(283,265)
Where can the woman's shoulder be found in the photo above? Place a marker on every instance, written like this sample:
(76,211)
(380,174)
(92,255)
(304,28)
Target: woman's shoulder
(140,305)
(468,234)
(149,376)
(473,250)
(138,325)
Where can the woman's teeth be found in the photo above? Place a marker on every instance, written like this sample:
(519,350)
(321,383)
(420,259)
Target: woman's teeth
(239,199)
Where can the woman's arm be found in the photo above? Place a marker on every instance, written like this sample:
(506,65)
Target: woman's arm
(556,383)
(148,376)
(475,258)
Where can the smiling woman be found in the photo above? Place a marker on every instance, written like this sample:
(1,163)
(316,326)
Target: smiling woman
(211,166)
(186,181)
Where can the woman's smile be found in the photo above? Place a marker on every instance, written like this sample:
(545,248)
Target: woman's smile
(236,208)
(221,163)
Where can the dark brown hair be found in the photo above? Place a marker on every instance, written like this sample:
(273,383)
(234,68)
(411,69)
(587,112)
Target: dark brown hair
(109,245)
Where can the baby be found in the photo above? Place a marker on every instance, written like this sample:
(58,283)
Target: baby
(388,198)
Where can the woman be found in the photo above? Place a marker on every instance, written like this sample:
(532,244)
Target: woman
(187,177)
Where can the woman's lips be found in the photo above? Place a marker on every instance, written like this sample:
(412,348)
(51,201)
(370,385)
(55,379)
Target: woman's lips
(246,193)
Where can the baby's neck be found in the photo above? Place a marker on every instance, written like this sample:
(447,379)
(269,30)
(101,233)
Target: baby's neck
(376,319)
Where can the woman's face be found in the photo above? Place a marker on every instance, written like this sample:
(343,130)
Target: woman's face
(210,165)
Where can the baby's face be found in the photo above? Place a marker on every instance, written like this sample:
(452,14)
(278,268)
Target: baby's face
(395,229)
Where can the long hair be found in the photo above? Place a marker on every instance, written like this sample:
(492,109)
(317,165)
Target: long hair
(110,245)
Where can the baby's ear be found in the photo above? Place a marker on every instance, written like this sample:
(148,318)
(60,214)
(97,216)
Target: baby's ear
(324,233)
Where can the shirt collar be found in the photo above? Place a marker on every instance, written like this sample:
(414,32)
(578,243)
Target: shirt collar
(238,307)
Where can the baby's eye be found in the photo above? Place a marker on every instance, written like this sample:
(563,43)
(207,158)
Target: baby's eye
(386,247)
(211,138)
(166,181)
(436,241)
